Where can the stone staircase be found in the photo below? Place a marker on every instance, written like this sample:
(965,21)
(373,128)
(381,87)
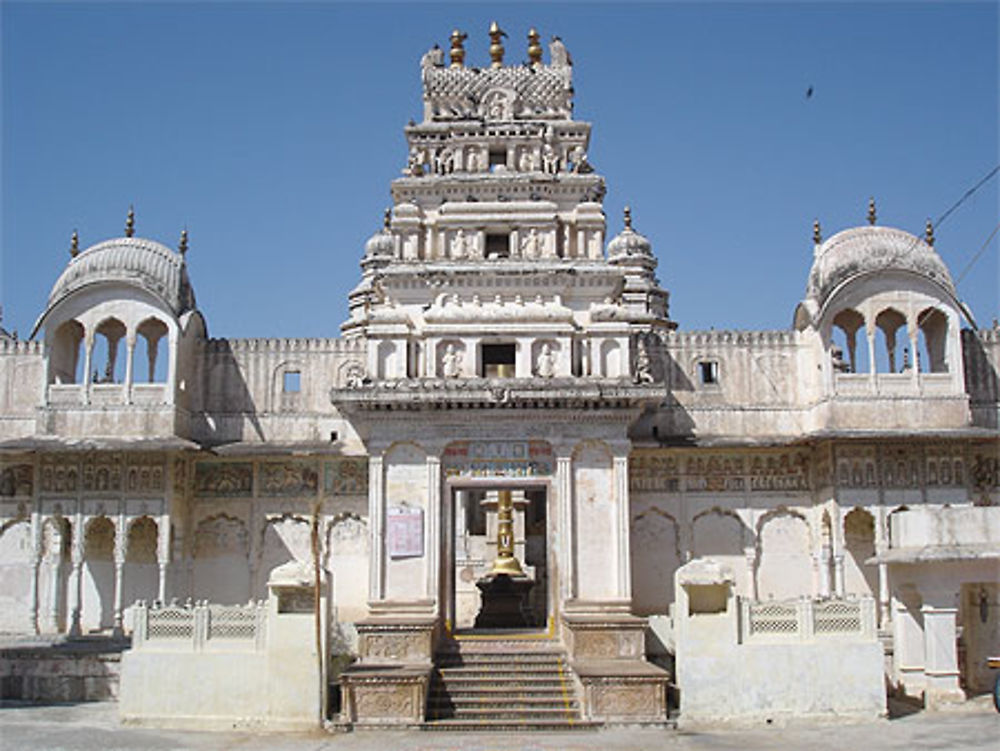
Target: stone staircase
(503,684)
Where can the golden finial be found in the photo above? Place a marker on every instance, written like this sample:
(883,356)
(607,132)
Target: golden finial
(929,232)
(74,245)
(534,46)
(130,222)
(628,218)
(496,45)
(182,246)
(386,218)
(817,232)
(457,51)
(871,211)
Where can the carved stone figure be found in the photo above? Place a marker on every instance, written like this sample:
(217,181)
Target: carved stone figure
(433,58)
(451,364)
(643,366)
(546,367)
(530,244)
(558,54)
(550,159)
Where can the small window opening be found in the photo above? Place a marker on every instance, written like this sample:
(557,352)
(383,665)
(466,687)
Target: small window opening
(708,370)
(498,360)
(292,382)
(498,158)
(334,435)
(498,246)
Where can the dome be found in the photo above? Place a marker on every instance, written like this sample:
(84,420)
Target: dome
(861,251)
(380,245)
(630,246)
(129,260)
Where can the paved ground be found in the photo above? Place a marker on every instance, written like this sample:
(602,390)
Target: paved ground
(94,727)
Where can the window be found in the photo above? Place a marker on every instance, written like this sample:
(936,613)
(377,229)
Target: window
(708,372)
(498,360)
(292,382)
(498,158)
(497,245)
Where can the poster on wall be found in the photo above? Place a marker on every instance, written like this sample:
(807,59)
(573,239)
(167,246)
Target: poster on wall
(405,532)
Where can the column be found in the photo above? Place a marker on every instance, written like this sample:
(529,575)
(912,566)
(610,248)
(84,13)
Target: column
(872,368)
(120,551)
(129,367)
(564,496)
(162,555)
(940,658)
(620,480)
(88,365)
(376,522)
(821,571)
(76,589)
(883,569)
(36,562)
(433,544)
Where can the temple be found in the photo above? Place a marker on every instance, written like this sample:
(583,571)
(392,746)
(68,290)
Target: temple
(513,491)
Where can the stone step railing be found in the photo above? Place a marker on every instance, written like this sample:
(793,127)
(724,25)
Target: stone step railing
(199,626)
(807,619)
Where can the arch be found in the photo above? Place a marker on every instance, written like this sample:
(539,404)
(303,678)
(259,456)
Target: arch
(893,344)
(221,560)
(148,352)
(844,335)
(15,573)
(98,585)
(655,554)
(347,563)
(106,362)
(783,567)
(720,534)
(932,334)
(140,578)
(66,358)
(283,538)
(860,577)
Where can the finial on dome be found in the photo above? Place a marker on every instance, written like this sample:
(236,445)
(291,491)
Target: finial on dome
(130,222)
(386,218)
(74,244)
(817,232)
(457,51)
(929,233)
(182,246)
(871,211)
(534,46)
(628,218)
(496,45)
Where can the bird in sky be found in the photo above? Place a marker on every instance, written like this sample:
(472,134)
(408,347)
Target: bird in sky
(809,92)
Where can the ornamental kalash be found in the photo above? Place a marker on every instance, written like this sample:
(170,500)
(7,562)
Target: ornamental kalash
(513,493)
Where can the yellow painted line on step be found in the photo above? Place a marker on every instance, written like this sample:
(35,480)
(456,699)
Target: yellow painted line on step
(565,693)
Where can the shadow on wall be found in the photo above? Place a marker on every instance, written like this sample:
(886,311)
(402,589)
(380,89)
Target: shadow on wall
(981,380)
(669,422)
(225,402)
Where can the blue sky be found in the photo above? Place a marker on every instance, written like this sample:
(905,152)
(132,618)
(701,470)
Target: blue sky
(272,132)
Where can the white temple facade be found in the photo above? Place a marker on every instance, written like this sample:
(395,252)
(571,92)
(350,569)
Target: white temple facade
(512,451)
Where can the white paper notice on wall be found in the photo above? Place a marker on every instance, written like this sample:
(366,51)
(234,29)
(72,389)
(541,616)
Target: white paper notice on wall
(405,528)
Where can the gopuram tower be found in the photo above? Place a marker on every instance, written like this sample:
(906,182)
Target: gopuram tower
(509,350)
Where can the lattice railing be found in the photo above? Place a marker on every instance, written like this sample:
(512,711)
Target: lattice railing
(195,626)
(805,619)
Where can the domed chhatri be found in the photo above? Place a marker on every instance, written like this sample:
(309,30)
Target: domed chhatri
(861,251)
(382,244)
(629,245)
(128,260)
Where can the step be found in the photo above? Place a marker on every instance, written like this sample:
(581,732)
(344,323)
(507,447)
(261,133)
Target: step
(501,692)
(507,726)
(534,713)
(528,702)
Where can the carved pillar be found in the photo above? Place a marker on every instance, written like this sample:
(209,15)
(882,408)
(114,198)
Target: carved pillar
(564,496)
(119,555)
(838,574)
(162,555)
(433,546)
(76,580)
(88,364)
(376,525)
(129,366)
(872,369)
(883,570)
(620,480)
(821,570)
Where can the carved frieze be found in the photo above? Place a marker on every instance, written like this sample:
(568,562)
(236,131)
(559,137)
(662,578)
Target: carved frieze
(287,478)
(16,480)
(145,474)
(383,702)
(706,472)
(347,476)
(59,476)
(223,479)
(221,535)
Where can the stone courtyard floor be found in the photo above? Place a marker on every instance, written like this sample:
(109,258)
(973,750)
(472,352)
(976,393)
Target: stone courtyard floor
(94,727)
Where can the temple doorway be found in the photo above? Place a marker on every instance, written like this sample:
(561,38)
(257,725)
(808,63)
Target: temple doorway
(499,531)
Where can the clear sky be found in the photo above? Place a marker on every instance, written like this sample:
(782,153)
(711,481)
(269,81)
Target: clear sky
(272,132)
